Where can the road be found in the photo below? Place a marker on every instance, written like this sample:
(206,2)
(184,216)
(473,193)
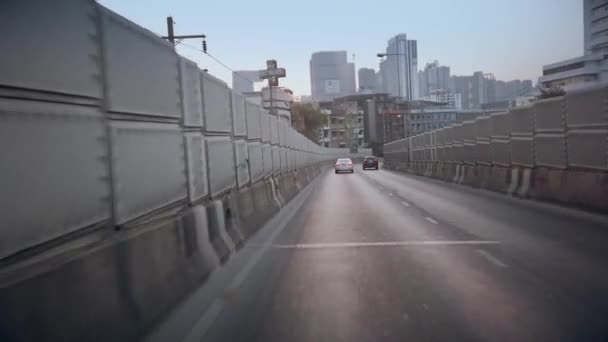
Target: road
(382,256)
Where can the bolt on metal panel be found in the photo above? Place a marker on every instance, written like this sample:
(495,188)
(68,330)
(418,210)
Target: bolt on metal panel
(196,158)
(191,94)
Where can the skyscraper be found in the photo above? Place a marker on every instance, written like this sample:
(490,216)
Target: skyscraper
(367,80)
(509,90)
(400,74)
(331,75)
(475,90)
(434,77)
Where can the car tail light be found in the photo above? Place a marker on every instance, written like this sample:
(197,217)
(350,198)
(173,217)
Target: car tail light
(337,164)
(351,164)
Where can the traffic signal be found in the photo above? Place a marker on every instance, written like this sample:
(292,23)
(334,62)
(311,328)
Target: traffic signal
(204,46)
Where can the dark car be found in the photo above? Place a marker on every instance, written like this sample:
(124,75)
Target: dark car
(370,163)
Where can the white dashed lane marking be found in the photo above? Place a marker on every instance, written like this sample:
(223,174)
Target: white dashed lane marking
(491,258)
(432,220)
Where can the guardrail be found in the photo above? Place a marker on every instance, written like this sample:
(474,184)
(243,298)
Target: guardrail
(112,124)
(555,149)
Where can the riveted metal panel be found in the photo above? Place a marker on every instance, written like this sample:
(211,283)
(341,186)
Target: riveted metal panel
(256,162)
(221,164)
(216,104)
(265,124)
(282,133)
(242,162)
(274,130)
(254,130)
(141,69)
(483,128)
(267,159)
(522,151)
(587,108)
(148,169)
(588,148)
(550,115)
(522,120)
(191,94)
(500,124)
(468,131)
(196,158)
(54,176)
(276,159)
(550,150)
(239,121)
(284,159)
(50,46)
(500,149)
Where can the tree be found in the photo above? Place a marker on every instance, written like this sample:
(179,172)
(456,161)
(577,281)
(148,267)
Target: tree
(549,92)
(307,119)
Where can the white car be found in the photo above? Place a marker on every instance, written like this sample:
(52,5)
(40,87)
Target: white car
(344,165)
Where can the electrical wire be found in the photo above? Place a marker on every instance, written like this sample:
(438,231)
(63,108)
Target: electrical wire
(208,54)
(218,61)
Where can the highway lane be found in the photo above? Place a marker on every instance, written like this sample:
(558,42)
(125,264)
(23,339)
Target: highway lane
(382,256)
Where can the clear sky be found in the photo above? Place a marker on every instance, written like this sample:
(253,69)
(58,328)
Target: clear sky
(510,38)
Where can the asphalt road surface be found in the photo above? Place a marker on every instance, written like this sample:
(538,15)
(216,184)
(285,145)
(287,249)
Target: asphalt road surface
(382,256)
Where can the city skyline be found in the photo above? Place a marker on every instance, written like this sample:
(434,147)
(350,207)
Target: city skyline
(512,40)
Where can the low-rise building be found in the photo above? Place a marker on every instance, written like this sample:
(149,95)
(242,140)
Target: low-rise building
(445,98)
(576,73)
(592,67)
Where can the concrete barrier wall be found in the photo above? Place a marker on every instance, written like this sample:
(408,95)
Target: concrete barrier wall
(128,173)
(555,149)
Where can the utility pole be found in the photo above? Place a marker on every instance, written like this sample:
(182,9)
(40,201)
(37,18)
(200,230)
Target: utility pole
(172,37)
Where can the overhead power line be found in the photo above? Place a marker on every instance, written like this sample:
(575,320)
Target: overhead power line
(178,40)
(218,61)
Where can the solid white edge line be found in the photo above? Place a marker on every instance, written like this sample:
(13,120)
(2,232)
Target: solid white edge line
(432,220)
(388,244)
(201,327)
(491,258)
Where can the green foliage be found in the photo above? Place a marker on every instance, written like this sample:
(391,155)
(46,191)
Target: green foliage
(307,119)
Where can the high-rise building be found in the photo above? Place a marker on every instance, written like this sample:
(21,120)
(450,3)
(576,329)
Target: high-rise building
(475,90)
(400,69)
(433,77)
(595,23)
(592,67)
(367,80)
(331,75)
(509,90)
